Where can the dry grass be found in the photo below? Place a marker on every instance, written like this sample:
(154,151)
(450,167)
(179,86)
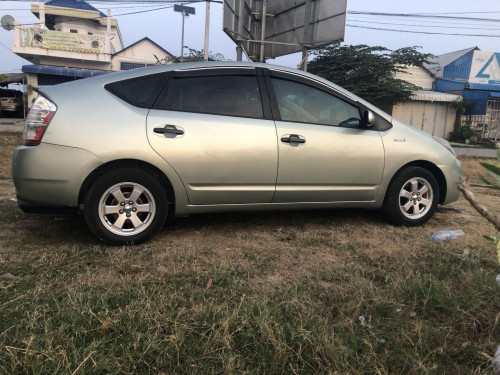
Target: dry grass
(270,293)
(6,149)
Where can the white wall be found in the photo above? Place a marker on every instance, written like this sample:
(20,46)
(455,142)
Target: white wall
(418,76)
(84,27)
(435,118)
(140,53)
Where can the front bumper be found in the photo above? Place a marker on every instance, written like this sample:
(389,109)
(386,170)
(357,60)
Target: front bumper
(454,176)
(50,174)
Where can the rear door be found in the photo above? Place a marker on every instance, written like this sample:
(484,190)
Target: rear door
(325,154)
(214,127)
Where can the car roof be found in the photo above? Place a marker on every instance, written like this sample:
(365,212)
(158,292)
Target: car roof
(139,72)
(134,73)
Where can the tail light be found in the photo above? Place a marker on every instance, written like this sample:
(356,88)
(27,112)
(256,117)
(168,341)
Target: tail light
(39,117)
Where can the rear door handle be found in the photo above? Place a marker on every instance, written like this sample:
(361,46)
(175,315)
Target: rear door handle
(292,138)
(169,129)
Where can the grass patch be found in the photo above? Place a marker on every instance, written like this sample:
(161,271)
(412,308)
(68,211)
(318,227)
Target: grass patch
(254,293)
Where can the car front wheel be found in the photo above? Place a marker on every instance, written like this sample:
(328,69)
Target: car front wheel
(125,206)
(412,197)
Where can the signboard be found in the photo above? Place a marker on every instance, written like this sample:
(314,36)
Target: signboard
(485,68)
(290,25)
(64,41)
(185,9)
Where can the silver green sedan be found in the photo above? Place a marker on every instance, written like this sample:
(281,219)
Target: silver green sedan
(133,148)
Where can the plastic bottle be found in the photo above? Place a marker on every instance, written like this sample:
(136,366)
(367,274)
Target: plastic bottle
(447,235)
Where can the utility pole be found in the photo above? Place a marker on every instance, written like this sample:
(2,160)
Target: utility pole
(307,34)
(207,30)
(263,34)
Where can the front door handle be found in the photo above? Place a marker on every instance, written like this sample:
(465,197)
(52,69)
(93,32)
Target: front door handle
(292,138)
(169,129)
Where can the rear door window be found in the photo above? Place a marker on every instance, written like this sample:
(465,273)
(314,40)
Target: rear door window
(230,95)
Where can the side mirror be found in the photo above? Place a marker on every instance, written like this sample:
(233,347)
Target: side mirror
(368,118)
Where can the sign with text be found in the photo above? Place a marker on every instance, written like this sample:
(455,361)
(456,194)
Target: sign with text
(485,68)
(64,41)
(184,9)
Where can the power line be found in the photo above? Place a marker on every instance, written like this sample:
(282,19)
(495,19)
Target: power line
(422,32)
(118,1)
(470,23)
(7,48)
(419,15)
(110,6)
(128,13)
(482,12)
(433,26)
(97,18)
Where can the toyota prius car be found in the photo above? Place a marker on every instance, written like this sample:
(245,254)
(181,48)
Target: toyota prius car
(131,148)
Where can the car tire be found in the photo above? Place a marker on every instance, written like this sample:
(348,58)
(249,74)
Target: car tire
(412,197)
(125,206)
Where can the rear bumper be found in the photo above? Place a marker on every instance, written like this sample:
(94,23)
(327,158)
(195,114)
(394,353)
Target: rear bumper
(31,207)
(51,175)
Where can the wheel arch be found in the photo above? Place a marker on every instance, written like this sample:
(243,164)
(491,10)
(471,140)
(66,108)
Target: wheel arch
(131,164)
(432,168)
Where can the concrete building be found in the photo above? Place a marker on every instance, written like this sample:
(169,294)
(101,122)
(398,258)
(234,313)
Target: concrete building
(74,40)
(427,110)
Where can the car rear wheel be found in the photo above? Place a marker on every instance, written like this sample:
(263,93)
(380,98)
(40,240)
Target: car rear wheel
(412,197)
(125,206)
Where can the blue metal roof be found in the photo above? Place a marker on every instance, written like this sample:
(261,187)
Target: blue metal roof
(459,68)
(484,87)
(74,4)
(447,85)
(60,71)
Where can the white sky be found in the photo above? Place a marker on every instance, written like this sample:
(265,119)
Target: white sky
(164,27)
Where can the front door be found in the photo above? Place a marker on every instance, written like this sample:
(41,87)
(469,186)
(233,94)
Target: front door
(325,155)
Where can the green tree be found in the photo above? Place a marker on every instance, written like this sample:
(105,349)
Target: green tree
(198,55)
(369,71)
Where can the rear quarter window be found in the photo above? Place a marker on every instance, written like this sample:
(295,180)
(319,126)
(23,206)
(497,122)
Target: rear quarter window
(141,91)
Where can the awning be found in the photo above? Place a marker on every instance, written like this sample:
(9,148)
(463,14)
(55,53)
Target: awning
(61,71)
(434,96)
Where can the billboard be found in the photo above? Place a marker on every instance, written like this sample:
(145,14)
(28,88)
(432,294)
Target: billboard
(485,68)
(289,25)
(63,41)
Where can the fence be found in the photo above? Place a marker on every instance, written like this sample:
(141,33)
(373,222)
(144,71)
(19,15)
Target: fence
(488,125)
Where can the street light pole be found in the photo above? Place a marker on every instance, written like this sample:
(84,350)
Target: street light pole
(182,45)
(185,11)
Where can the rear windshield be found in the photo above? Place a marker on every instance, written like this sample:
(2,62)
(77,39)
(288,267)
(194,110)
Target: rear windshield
(141,91)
